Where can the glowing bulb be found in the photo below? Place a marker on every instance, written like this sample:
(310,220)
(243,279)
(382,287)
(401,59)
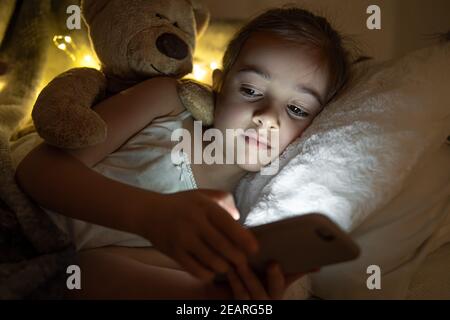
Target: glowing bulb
(89,61)
(65,43)
(88,58)
(81,58)
(213,65)
(2,85)
(62,46)
(199,72)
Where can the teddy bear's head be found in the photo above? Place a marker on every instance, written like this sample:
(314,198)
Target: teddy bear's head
(138,39)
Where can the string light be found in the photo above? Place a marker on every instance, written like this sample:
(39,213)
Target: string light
(82,58)
(89,62)
(65,43)
(213,65)
(199,72)
(2,85)
(202,71)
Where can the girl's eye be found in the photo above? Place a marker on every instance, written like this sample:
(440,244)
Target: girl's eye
(249,92)
(297,112)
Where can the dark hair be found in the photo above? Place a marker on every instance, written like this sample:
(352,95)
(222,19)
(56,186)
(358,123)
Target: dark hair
(302,27)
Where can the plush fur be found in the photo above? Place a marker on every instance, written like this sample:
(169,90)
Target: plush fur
(134,41)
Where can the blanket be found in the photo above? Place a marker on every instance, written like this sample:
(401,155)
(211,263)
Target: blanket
(34,253)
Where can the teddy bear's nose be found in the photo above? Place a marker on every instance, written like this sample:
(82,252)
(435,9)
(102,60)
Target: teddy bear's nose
(172,46)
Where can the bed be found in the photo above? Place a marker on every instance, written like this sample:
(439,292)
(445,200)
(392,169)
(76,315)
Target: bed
(428,278)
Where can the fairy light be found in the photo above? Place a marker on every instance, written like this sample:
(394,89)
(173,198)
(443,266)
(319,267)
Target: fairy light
(199,72)
(213,65)
(202,71)
(2,85)
(82,58)
(65,43)
(88,58)
(89,61)
(62,46)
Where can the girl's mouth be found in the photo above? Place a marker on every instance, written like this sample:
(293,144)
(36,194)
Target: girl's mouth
(256,140)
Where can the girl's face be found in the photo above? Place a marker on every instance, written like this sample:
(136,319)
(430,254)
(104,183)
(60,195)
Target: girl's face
(275,86)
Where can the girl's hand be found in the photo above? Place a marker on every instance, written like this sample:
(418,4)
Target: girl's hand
(196,228)
(246,285)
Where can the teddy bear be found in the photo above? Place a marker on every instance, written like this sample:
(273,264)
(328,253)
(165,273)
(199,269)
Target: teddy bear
(134,40)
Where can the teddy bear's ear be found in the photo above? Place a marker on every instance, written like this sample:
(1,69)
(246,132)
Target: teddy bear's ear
(201,14)
(91,8)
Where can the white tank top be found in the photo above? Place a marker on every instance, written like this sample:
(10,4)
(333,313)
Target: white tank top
(145,160)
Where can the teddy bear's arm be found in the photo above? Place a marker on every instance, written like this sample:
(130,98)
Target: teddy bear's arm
(198,98)
(62,113)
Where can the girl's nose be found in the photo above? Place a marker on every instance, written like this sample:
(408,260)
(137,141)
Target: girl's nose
(266,119)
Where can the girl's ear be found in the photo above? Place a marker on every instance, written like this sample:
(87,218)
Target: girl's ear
(217,78)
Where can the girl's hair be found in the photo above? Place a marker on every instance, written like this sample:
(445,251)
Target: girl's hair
(302,27)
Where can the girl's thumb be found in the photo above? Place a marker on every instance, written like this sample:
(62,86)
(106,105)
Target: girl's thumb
(226,201)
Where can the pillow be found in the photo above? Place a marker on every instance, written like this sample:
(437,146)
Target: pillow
(412,226)
(357,153)
(398,238)
(361,163)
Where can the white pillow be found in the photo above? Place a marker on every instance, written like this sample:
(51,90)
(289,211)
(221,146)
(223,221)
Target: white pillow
(398,238)
(358,152)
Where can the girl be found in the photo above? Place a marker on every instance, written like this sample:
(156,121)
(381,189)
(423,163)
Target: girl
(147,227)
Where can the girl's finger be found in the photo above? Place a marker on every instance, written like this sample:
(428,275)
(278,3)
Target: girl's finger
(227,202)
(276,281)
(192,266)
(239,291)
(206,256)
(240,236)
(252,283)
(220,243)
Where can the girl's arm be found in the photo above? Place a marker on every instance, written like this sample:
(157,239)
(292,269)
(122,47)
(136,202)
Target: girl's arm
(128,112)
(61,180)
(58,181)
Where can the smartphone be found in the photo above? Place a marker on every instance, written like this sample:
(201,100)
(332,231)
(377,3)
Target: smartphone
(301,244)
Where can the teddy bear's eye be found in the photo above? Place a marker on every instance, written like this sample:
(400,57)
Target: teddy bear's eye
(160,16)
(176,25)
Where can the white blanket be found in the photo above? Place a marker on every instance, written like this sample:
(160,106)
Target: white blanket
(357,153)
